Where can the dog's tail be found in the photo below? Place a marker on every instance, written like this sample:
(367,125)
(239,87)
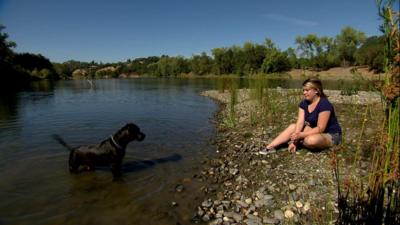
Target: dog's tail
(61,141)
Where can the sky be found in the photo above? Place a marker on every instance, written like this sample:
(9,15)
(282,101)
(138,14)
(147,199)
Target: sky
(117,30)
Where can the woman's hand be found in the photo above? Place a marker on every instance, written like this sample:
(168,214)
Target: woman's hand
(292,148)
(295,136)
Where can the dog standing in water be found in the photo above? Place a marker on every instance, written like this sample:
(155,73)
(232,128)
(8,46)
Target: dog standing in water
(109,152)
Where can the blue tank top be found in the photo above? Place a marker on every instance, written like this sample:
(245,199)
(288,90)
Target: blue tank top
(312,118)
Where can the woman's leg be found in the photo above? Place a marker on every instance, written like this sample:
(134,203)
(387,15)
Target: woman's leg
(318,141)
(282,137)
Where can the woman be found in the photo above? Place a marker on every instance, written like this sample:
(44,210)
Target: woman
(316,127)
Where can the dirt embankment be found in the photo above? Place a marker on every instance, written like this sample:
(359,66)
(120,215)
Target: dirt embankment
(338,73)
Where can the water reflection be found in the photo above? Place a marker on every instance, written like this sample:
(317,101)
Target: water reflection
(9,106)
(134,166)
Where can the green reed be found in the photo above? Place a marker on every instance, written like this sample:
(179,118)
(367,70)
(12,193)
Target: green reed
(232,84)
(258,86)
(379,202)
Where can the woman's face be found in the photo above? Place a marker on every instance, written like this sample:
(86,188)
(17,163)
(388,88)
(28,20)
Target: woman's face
(309,93)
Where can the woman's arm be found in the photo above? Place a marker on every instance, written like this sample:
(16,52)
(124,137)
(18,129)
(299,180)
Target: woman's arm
(300,121)
(299,127)
(323,118)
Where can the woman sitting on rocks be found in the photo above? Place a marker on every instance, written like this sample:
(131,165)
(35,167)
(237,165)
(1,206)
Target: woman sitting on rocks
(316,127)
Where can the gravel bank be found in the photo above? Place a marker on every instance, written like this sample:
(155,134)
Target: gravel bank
(243,187)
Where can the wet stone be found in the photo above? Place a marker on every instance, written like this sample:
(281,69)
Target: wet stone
(235,216)
(206,218)
(207,203)
(179,188)
(174,204)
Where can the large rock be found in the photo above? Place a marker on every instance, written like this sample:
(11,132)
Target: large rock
(79,74)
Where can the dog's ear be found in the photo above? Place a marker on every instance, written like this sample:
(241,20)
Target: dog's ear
(133,128)
(140,136)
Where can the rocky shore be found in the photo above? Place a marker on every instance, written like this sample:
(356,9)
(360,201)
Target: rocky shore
(243,187)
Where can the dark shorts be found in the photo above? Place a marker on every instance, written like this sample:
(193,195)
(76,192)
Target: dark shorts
(336,138)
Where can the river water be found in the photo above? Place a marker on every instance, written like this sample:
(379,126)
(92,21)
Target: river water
(35,185)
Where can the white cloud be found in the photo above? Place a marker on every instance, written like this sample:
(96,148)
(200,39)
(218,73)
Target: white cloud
(291,20)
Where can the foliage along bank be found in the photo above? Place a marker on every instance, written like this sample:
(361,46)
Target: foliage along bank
(349,48)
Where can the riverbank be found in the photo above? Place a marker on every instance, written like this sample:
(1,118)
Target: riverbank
(338,73)
(243,187)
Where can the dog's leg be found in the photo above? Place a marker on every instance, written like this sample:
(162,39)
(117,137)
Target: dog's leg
(116,169)
(73,162)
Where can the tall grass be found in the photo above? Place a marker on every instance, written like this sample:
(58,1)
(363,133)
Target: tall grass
(379,201)
(233,91)
(270,103)
(231,84)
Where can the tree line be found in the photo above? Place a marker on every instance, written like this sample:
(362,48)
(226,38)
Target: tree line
(349,48)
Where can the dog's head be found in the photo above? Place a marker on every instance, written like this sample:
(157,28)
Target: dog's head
(132,132)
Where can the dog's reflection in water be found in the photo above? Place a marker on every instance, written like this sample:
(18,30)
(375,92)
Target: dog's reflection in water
(145,164)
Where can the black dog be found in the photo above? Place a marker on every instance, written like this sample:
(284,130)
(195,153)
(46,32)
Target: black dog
(109,152)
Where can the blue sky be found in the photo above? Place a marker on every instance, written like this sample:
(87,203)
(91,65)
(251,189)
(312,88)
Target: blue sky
(112,31)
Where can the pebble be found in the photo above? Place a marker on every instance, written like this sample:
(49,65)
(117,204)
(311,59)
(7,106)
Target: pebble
(179,188)
(289,214)
(248,201)
(268,220)
(233,171)
(306,206)
(253,220)
(259,203)
(237,217)
(174,204)
(242,204)
(207,203)
(278,214)
(206,218)
(299,204)
(268,197)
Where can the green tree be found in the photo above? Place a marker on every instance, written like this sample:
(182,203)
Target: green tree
(308,45)
(201,64)
(275,60)
(292,57)
(223,60)
(371,53)
(171,66)
(141,65)
(239,61)
(30,62)
(11,75)
(254,55)
(348,41)
(6,53)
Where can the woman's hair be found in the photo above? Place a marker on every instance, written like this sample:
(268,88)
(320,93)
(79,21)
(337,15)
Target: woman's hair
(316,84)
